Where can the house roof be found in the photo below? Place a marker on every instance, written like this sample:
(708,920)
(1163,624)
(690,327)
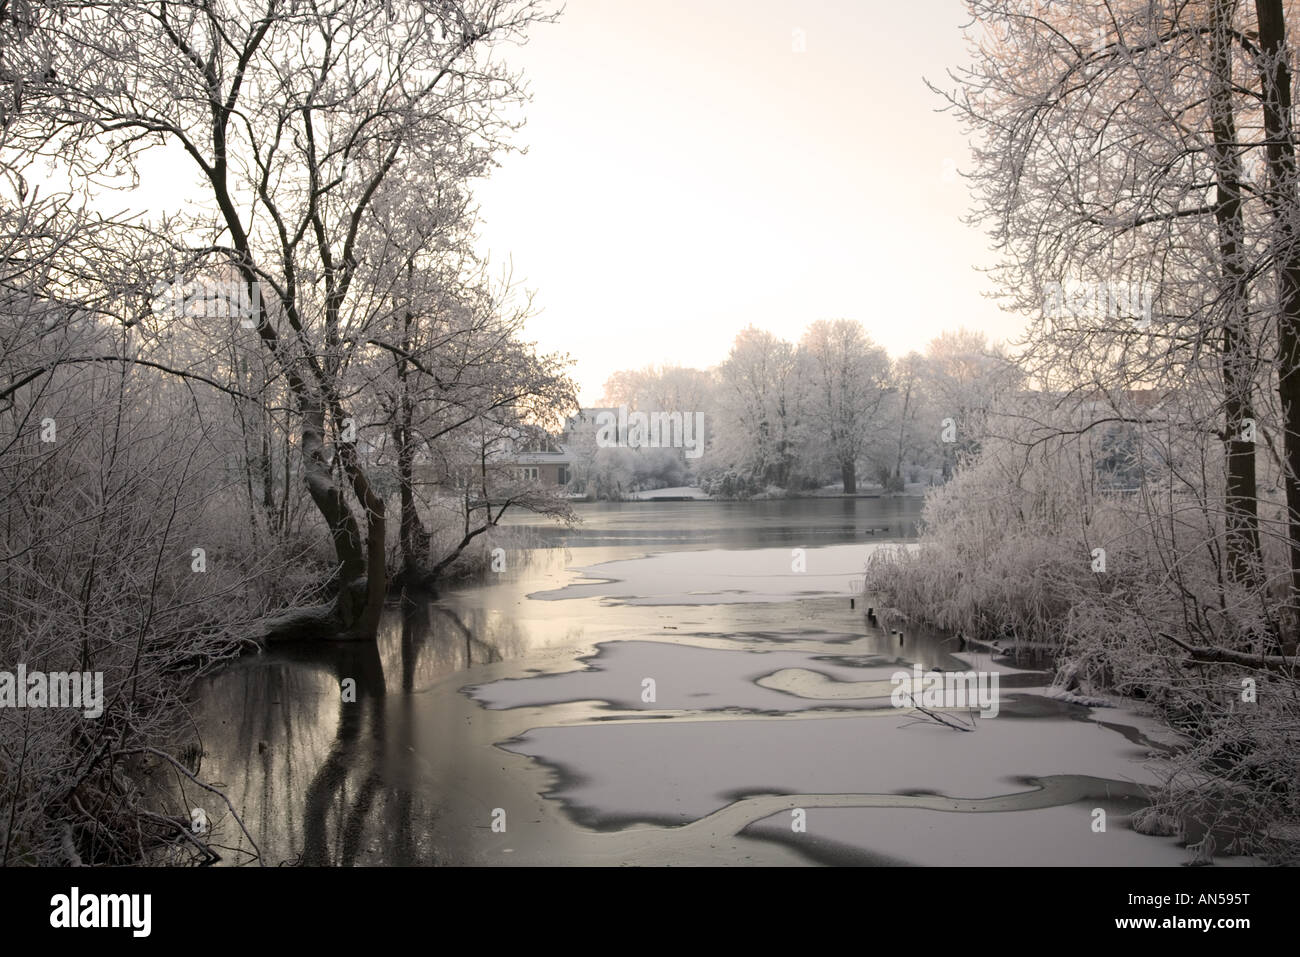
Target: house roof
(542,458)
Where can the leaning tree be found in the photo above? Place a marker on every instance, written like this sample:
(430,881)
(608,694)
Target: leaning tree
(286,120)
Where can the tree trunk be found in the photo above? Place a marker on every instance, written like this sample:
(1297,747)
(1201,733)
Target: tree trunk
(1242,518)
(411,531)
(365,624)
(329,498)
(267,464)
(902,430)
(849,474)
(1276,87)
(362,579)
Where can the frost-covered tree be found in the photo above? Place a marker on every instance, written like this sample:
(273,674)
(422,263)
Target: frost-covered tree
(1119,160)
(846,378)
(760,407)
(294,121)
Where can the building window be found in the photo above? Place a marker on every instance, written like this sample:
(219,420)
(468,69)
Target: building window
(530,473)
(563,477)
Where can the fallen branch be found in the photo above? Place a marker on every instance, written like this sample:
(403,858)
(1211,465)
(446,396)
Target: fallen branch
(935,716)
(1207,655)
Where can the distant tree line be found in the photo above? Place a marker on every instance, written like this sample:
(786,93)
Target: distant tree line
(832,411)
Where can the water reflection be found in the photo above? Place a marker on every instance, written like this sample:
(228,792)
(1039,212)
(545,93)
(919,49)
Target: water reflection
(318,743)
(343,791)
(752,524)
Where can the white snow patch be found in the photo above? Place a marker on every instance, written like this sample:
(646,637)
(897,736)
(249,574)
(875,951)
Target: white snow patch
(685,769)
(678,491)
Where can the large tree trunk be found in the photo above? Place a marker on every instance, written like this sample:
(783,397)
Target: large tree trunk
(363,621)
(329,498)
(354,613)
(848,472)
(1242,518)
(411,531)
(363,581)
(1276,87)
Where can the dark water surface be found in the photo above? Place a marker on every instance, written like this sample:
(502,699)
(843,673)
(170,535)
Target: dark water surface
(808,521)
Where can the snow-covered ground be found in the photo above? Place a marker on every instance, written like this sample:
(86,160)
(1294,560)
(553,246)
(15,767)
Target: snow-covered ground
(678,491)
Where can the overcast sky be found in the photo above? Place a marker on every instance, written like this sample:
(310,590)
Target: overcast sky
(688,173)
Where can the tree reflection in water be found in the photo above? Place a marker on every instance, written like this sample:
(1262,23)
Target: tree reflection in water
(349,796)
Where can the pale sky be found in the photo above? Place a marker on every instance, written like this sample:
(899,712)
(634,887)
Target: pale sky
(688,173)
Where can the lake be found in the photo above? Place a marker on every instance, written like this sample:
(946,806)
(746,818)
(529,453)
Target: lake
(669,683)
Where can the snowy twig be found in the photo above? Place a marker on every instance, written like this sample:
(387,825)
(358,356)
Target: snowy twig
(935,716)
